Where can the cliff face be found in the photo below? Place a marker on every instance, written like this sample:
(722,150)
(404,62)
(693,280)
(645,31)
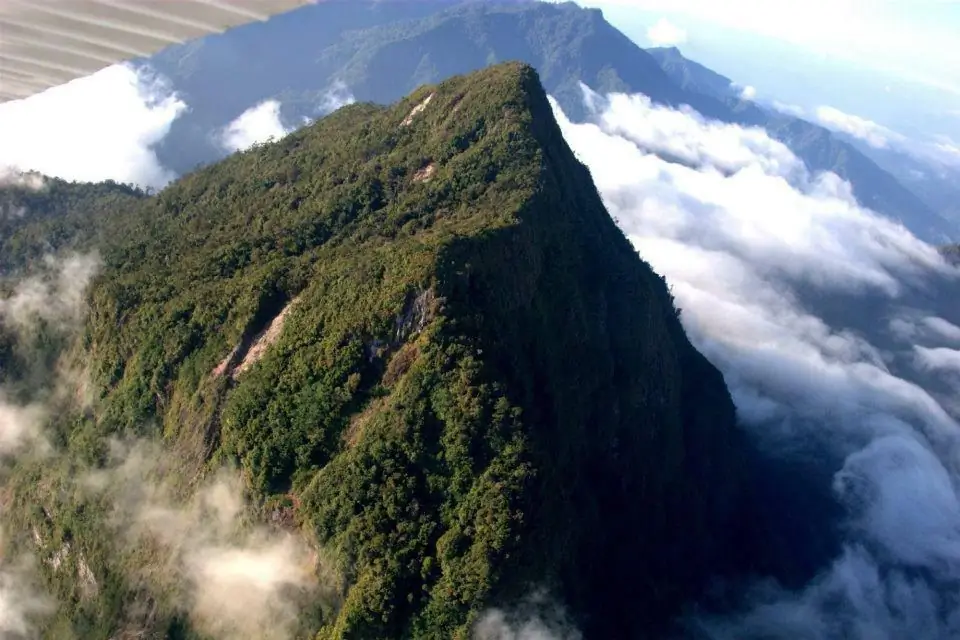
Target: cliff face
(430,352)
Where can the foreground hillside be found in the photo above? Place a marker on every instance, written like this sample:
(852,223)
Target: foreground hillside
(431,355)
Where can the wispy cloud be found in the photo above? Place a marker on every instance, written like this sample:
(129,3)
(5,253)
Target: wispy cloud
(234,578)
(337,96)
(536,617)
(9,176)
(872,133)
(789,109)
(95,128)
(22,603)
(941,152)
(666,34)
(53,294)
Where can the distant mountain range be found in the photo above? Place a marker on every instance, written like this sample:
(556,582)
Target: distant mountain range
(875,186)
(382,50)
(937,185)
(692,76)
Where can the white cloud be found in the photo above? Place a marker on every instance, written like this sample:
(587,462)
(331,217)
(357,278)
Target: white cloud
(337,96)
(872,133)
(939,358)
(536,617)
(748,93)
(926,329)
(666,34)
(10,176)
(945,329)
(941,151)
(747,239)
(950,149)
(54,294)
(257,124)
(789,109)
(99,127)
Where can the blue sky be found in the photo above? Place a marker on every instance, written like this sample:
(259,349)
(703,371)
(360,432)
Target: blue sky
(894,61)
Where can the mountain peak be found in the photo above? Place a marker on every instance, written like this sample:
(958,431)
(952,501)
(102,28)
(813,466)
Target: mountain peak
(417,327)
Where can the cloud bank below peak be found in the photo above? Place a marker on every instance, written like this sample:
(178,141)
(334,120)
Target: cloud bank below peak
(766,262)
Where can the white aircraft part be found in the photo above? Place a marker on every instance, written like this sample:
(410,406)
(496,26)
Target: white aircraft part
(45,43)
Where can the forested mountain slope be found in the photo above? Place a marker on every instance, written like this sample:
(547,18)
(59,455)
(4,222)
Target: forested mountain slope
(434,360)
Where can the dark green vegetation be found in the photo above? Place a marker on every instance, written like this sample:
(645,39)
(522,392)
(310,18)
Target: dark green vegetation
(382,50)
(35,222)
(479,388)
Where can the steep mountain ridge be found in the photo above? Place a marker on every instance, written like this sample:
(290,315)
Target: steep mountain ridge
(480,389)
(692,76)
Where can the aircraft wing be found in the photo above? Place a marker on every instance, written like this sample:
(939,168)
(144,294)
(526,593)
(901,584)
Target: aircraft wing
(45,43)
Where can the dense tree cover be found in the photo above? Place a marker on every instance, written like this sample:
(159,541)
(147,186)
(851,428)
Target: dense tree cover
(479,388)
(50,215)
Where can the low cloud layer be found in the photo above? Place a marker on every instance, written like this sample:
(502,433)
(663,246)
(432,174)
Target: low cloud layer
(123,114)
(869,131)
(666,34)
(536,617)
(821,316)
(258,124)
(940,152)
